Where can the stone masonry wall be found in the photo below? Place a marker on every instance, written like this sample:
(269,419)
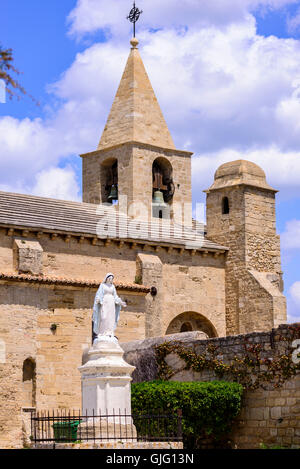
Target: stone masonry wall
(187,283)
(262,243)
(26,316)
(270,416)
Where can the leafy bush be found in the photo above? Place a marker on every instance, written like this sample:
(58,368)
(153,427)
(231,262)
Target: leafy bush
(208,408)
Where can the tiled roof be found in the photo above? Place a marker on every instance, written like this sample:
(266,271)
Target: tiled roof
(40,213)
(70,282)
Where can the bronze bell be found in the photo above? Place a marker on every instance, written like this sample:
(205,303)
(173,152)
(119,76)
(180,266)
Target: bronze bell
(113,194)
(158,198)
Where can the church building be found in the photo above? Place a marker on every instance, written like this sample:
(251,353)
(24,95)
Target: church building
(175,274)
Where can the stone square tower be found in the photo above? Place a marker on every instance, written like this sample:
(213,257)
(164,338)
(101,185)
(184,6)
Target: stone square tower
(136,156)
(241,215)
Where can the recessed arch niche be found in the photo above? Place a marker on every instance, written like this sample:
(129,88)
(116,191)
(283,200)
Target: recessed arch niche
(191,321)
(29,382)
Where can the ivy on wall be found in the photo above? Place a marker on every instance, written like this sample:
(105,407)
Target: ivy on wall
(251,370)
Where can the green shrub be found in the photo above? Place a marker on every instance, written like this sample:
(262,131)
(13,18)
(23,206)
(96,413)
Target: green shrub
(208,408)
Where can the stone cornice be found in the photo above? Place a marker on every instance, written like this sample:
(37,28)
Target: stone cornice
(245,184)
(142,144)
(25,232)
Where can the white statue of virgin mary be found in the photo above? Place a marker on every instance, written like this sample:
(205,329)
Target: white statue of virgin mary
(107,307)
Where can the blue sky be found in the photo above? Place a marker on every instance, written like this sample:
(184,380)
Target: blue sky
(235,62)
(36,31)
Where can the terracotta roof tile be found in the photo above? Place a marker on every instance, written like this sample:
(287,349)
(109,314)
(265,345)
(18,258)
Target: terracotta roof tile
(69,281)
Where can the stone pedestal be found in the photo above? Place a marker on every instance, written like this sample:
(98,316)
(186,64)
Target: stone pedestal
(106,379)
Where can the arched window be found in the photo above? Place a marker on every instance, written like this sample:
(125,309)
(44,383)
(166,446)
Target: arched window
(109,181)
(29,383)
(225,205)
(162,187)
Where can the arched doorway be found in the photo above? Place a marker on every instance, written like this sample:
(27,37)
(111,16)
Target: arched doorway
(191,321)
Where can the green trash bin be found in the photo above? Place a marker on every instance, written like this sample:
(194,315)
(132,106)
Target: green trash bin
(65,431)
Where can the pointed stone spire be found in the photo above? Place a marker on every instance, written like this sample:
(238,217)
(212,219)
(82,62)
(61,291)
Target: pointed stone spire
(135,114)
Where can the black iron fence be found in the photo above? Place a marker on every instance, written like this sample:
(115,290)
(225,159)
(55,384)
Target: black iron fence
(75,427)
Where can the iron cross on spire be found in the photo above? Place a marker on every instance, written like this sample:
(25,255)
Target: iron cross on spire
(133,16)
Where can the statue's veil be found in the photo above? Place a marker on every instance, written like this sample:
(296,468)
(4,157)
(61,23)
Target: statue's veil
(108,275)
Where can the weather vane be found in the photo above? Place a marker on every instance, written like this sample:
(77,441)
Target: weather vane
(134,15)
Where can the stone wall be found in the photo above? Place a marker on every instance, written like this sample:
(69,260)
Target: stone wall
(261,243)
(49,321)
(195,285)
(28,314)
(186,284)
(270,416)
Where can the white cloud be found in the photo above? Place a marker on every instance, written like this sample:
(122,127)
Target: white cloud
(29,152)
(23,147)
(89,16)
(56,183)
(59,183)
(293,22)
(226,93)
(295,292)
(239,96)
(294,304)
(282,169)
(237,90)
(290,239)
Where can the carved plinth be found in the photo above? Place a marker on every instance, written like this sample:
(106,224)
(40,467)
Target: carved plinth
(106,381)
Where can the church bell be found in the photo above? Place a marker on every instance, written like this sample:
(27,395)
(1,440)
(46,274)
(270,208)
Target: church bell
(113,194)
(158,198)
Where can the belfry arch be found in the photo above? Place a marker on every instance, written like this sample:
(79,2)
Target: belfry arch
(163,177)
(191,321)
(109,180)
(162,187)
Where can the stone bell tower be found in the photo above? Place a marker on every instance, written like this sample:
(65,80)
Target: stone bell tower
(241,215)
(136,156)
